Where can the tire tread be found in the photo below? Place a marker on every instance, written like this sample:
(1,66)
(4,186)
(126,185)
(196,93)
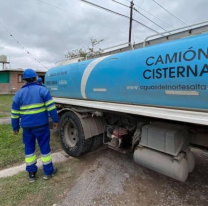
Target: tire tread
(84,145)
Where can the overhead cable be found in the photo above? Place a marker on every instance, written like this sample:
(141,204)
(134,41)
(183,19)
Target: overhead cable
(142,3)
(100,7)
(144,11)
(170,13)
(80,16)
(149,19)
(112,35)
(11,35)
(154,16)
(120,3)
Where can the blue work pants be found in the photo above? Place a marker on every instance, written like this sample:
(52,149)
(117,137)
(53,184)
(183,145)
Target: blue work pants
(42,134)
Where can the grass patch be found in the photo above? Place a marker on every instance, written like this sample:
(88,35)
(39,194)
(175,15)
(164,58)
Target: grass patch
(3,115)
(17,191)
(6,102)
(12,147)
(55,141)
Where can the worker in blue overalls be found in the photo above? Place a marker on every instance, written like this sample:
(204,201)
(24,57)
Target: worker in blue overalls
(40,81)
(33,104)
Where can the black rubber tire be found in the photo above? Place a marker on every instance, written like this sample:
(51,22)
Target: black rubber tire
(82,145)
(97,141)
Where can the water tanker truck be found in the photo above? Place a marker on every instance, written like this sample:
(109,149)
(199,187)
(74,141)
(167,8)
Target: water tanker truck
(151,101)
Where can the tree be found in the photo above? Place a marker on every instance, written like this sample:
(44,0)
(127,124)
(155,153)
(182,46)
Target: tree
(84,53)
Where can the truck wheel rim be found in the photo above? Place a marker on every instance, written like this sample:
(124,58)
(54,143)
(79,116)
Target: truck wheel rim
(70,134)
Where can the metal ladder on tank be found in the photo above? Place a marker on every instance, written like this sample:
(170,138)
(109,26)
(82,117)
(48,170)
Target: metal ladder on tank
(182,32)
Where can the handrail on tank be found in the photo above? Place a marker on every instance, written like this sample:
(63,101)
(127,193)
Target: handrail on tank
(115,46)
(144,43)
(132,46)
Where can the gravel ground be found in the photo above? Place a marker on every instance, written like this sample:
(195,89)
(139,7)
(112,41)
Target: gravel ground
(111,178)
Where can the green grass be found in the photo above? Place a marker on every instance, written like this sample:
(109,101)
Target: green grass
(12,148)
(3,115)
(17,191)
(5,104)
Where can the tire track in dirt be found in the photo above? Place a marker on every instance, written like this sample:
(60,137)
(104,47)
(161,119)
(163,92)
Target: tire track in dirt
(111,178)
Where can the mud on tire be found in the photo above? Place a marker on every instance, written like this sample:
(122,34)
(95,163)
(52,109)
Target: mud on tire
(72,135)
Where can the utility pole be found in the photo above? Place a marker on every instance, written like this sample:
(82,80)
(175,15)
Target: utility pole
(131,19)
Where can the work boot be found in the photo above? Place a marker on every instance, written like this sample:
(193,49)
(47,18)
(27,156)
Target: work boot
(47,177)
(31,177)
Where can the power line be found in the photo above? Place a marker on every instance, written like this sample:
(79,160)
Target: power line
(83,17)
(73,14)
(154,16)
(100,7)
(170,13)
(112,35)
(150,20)
(95,21)
(120,3)
(142,15)
(131,17)
(144,11)
(142,3)
(22,45)
(95,5)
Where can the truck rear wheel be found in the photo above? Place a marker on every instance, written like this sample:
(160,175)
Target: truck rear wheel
(96,142)
(72,136)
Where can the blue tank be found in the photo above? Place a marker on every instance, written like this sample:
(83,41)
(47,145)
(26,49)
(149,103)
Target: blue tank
(172,74)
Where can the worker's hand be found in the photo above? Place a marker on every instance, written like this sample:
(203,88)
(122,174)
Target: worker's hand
(16,132)
(55,125)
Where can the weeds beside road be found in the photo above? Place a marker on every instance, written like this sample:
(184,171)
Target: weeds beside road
(12,147)
(16,190)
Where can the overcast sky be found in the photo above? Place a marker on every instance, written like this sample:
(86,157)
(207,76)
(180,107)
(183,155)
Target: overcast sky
(48,32)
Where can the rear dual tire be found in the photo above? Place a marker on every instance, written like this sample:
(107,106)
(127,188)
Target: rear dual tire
(72,136)
(97,141)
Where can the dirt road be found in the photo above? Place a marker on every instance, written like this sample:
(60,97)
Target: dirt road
(111,178)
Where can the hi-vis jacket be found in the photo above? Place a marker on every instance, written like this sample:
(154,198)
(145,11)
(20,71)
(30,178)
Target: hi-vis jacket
(31,104)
